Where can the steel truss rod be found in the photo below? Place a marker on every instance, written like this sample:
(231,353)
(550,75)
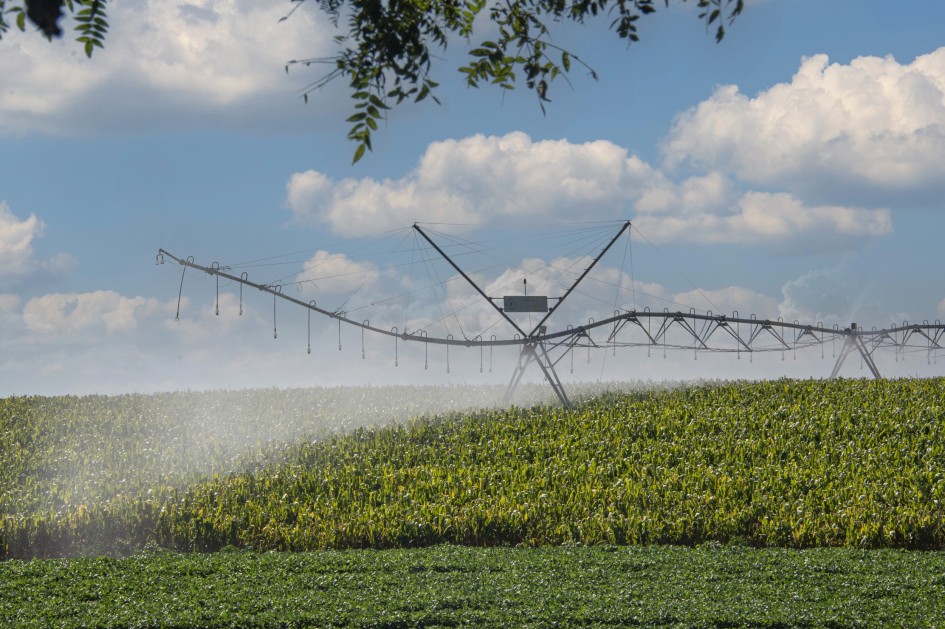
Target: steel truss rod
(767,327)
(593,263)
(680,320)
(938,337)
(468,279)
(776,328)
(933,343)
(723,325)
(867,356)
(525,356)
(568,344)
(622,321)
(536,352)
(548,369)
(853,341)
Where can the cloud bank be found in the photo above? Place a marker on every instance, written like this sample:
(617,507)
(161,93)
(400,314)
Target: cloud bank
(817,163)
(483,180)
(874,123)
(479,180)
(824,161)
(165,65)
(102,311)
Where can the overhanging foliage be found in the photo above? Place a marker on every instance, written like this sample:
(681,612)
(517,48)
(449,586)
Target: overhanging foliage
(385,51)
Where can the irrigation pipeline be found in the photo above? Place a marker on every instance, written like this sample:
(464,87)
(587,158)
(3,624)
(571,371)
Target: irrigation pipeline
(697,329)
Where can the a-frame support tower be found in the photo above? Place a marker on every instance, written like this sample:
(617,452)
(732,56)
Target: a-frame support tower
(534,349)
(854,341)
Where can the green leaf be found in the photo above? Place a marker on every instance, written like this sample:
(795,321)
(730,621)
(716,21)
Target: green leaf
(377,102)
(720,34)
(358,154)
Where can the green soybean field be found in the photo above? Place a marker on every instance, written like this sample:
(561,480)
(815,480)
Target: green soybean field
(823,470)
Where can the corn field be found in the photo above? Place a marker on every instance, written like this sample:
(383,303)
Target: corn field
(783,463)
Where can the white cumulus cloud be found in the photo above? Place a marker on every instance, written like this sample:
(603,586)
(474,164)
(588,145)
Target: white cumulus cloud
(759,218)
(710,192)
(165,64)
(336,273)
(16,241)
(483,180)
(728,300)
(874,122)
(17,256)
(480,180)
(70,313)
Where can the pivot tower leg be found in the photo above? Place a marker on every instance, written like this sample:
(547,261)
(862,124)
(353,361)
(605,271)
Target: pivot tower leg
(540,356)
(853,341)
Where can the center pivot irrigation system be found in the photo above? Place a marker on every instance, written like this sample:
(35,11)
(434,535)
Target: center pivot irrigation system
(692,331)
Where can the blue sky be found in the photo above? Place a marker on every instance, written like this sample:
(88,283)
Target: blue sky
(794,170)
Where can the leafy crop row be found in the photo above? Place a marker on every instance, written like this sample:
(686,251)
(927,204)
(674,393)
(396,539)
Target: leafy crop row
(450,586)
(785,463)
(104,464)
